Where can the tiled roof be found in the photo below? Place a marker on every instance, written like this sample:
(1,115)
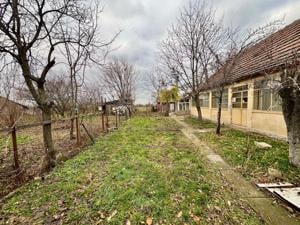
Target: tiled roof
(265,55)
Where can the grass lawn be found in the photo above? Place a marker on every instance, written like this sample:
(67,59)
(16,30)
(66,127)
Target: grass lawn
(196,124)
(140,174)
(238,148)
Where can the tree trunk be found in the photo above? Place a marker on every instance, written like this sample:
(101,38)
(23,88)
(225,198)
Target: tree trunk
(198,107)
(73,103)
(291,109)
(72,136)
(218,129)
(168,109)
(50,153)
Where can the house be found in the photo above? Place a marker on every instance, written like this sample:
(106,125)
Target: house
(182,106)
(121,106)
(247,101)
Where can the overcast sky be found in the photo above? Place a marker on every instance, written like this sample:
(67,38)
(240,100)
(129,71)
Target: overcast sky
(144,24)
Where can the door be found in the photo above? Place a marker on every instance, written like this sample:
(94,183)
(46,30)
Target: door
(239,105)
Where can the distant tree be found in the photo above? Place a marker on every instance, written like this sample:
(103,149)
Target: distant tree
(158,82)
(59,90)
(167,96)
(86,51)
(185,53)
(119,80)
(7,82)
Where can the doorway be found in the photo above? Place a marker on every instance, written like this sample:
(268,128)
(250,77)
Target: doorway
(239,105)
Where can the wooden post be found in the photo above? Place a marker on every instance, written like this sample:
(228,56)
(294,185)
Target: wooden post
(116,118)
(14,143)
(107,120)
(15,148)
(103,123)
(77,130)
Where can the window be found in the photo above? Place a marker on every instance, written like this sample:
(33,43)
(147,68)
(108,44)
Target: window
(240,97)
(184,106)
(215,99)
(204,100)
(265,100)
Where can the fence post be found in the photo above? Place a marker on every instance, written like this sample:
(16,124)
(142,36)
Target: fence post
(77,130)
(14,143)
(15,148)
(107,120)
(103,124)
(116,118)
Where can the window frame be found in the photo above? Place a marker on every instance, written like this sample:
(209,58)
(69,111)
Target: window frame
(225,99)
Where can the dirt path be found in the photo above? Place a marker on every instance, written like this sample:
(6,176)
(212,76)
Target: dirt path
(272,214)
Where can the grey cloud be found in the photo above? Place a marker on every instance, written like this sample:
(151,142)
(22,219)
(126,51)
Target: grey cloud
(145,22)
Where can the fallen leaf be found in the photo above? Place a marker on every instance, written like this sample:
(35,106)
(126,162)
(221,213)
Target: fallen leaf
(218,209)
(128,222)
(196,218)
(112,215)
(149,221)
(102,215)
(179,214)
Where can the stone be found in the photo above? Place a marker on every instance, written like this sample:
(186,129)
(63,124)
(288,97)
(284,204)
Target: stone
(61,157)
(262,145)
(274,173)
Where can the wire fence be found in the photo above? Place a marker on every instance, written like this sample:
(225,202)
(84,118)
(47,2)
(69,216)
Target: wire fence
(22,147)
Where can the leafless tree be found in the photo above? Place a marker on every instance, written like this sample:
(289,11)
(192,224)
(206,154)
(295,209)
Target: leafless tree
(289,91)
(8,76)
(228,45)
(90,50)
(287,85)
(158,81)
(30,33)
(59,90)
(89,98)
(185,53)
(119,80)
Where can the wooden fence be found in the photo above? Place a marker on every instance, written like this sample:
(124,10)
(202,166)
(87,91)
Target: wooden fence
(105,124)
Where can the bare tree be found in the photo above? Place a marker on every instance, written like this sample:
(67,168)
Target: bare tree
(158,81)
(89,97)
(30,33)
(91,49)
(59,90)
(228,46)
(119,80)
(289,91)
(7,82)
(185,53)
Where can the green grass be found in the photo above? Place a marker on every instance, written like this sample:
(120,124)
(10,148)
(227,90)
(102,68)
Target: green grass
(238,148)
(146,169)
(196,124)
(21,139)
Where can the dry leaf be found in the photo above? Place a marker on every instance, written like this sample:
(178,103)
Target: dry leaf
(128,222)
(112,215)
(149,221)
(179,214)
(196,218)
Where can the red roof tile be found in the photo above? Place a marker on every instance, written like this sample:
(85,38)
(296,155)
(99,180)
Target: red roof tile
(265,55)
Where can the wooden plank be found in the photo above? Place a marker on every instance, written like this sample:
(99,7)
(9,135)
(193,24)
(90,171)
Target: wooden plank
(26,126)
(291,195)
(275,185)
